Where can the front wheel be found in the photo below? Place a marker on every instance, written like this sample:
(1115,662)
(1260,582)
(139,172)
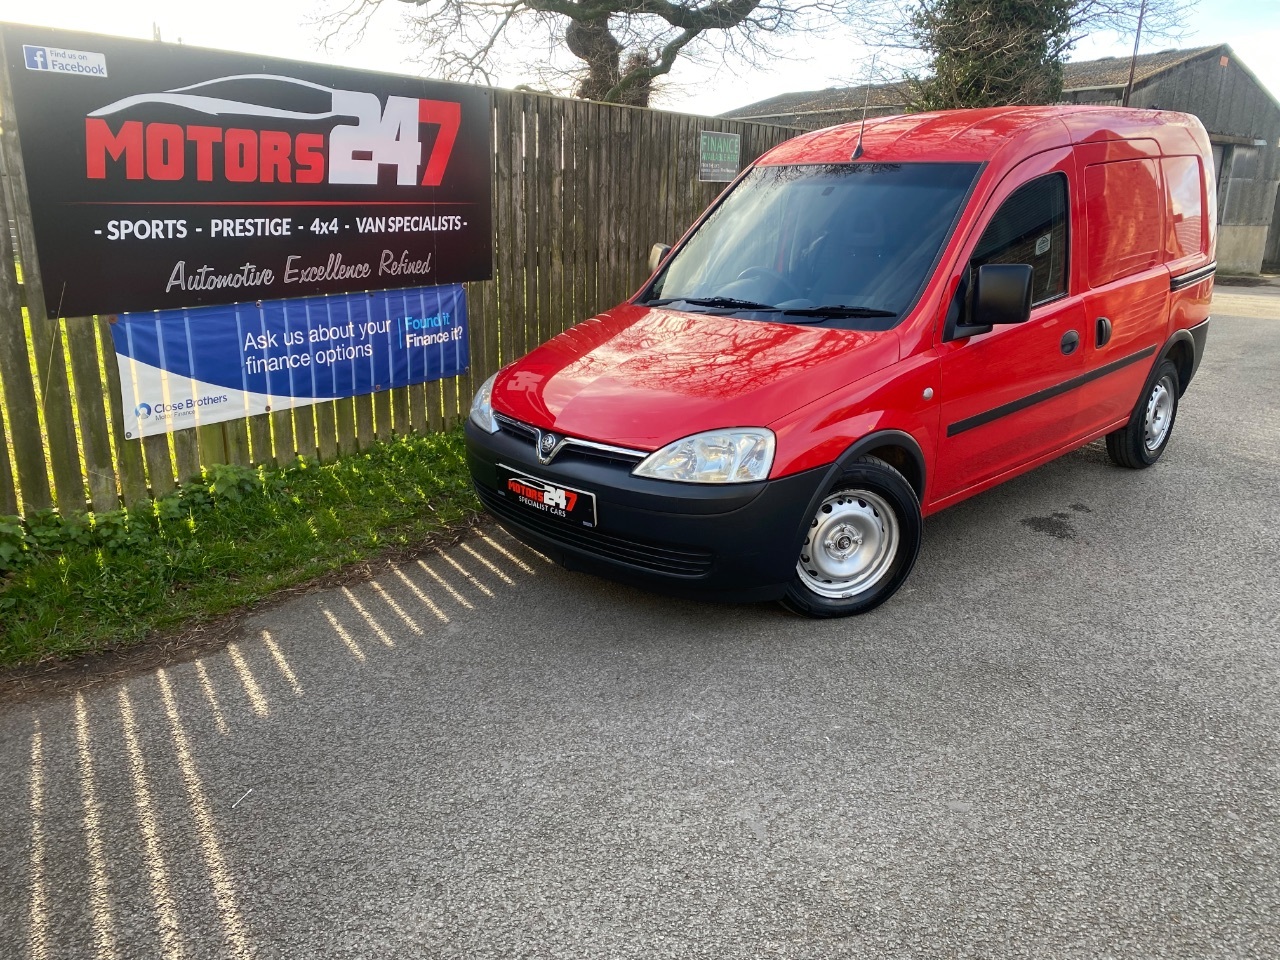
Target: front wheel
(1139,443)
(860,544)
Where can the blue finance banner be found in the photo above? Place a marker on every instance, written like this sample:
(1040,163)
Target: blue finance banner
(183,368)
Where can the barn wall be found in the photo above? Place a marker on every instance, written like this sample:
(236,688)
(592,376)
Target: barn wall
(1237,111)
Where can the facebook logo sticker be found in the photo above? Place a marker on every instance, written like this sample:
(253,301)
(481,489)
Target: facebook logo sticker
(58,60)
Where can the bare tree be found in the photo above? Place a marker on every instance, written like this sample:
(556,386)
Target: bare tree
(1163,20)
(623,46)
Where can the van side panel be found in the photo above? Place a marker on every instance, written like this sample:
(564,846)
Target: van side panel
(1210,201)
(1189,229)
(1125,214)
(1184,233)
(1127,307)
(817,434)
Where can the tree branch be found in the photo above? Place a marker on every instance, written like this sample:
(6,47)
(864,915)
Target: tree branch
(647,73)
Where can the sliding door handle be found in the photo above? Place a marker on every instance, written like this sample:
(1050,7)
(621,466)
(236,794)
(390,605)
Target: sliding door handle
(1104,332)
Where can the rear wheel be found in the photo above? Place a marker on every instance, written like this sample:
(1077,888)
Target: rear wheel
(859,545)
(1139,443)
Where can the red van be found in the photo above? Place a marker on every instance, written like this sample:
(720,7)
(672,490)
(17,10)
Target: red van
(871,325)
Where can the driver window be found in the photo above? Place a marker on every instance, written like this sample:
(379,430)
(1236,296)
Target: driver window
(1031,227)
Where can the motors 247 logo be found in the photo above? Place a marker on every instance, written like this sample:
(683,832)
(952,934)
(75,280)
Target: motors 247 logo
(228,148)
(543,496)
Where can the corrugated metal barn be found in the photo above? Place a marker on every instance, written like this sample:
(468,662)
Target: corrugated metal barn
(1242,117)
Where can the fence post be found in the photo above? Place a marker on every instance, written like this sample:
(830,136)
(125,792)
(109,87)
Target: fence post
(15,375)
(133,476)
(8,495)
(46,336)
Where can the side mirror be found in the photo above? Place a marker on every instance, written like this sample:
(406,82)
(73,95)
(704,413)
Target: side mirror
(1001,294)
(657,253)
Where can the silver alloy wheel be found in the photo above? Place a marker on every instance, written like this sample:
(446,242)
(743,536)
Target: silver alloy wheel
(850,545)
(1159,414)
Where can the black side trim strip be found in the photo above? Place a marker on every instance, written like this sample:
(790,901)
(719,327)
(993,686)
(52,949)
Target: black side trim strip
(960,426)
(1195,276)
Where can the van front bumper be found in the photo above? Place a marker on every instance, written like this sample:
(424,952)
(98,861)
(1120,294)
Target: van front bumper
(728,542)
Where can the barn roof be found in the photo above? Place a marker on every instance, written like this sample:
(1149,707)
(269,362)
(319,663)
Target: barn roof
(1084,75)
(833,98)
(1114,71)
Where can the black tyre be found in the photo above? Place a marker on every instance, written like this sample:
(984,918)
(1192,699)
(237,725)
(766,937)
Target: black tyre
(1139,443)
(859,546)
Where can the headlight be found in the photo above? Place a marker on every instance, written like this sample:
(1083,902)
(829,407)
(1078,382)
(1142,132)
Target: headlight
(482,407)
(717,456)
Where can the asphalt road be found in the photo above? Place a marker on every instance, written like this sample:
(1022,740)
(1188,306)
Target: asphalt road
(1061,740)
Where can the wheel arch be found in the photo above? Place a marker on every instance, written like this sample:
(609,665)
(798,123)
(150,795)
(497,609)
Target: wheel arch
(898,449)
(1180,350)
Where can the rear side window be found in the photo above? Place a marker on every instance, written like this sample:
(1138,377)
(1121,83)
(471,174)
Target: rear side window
(1123,207)
(1031,227)
(1184,225)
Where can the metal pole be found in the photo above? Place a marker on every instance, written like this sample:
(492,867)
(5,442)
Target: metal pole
(1133,61)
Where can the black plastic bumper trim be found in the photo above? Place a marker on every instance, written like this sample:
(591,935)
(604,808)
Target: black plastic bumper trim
(654,557)
(708,541)
(1199,335)
(1194,277)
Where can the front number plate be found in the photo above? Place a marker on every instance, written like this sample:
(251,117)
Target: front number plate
(546,498)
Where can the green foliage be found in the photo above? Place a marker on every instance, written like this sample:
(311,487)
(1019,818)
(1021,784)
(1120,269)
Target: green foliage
(15,543)
(50,532)
(232,536)
(991,53)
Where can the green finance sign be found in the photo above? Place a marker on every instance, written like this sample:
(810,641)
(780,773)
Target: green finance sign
(719,156)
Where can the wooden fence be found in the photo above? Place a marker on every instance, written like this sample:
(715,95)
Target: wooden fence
(581,191)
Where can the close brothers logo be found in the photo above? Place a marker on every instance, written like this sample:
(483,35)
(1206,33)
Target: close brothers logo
(230,152)
(179,408)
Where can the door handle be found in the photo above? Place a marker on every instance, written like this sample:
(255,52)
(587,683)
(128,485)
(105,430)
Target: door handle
(1070,340)
(1104,332)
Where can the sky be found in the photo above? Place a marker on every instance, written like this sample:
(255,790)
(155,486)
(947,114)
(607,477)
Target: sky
(286,28)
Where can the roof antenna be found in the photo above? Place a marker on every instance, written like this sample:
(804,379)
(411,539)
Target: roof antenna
(866,100)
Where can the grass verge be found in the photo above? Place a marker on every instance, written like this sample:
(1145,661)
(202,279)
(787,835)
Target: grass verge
(70,586)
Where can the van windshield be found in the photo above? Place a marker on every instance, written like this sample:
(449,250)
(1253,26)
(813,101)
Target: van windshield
(847,245)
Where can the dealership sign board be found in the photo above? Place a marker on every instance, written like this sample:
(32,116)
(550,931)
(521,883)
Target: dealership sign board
(194,366)
(165,176)
(719,156)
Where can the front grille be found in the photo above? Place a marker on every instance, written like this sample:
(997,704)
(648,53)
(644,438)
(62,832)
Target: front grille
(634,553)
(514,428)
(591,455)
(572,448)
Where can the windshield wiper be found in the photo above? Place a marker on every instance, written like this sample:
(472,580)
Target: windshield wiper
(839,310)
(727,303)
